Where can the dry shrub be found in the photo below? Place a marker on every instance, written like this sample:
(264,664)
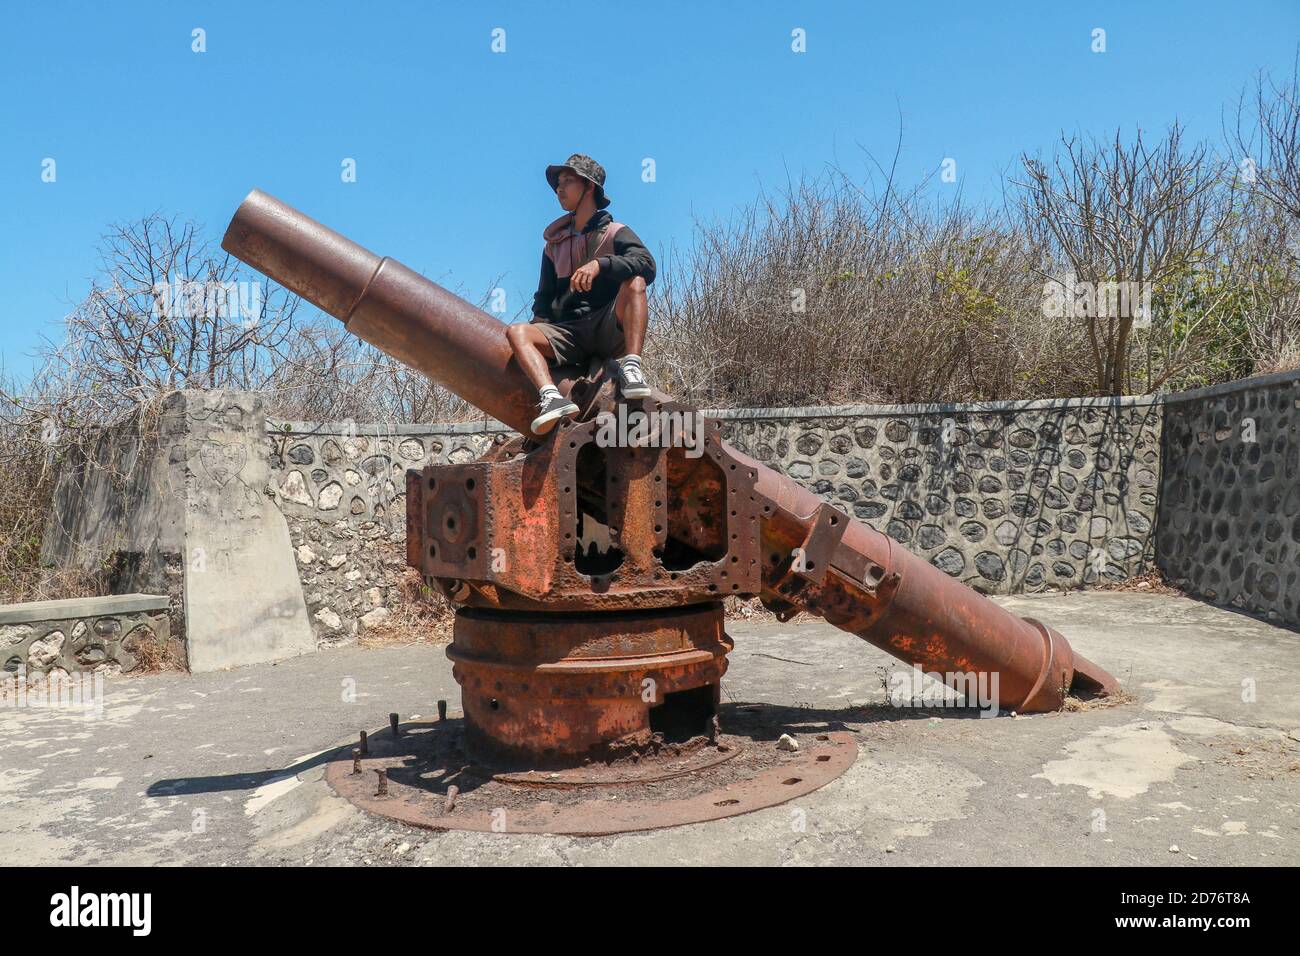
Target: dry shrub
(1153,582)
(419,615)
(29,467)
(829,293)
(326,374)
(833,291)
(751,609)
(153,656)
(1077,705)
(1287,360)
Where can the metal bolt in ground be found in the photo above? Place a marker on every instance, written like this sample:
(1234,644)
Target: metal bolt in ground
(356,760)
(365,745)
(392,722)
(442,710)
(383,783)
(452,793)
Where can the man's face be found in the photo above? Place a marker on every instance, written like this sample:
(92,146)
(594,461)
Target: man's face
(569,189)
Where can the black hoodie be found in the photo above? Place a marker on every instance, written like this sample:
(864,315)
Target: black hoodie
(555,303)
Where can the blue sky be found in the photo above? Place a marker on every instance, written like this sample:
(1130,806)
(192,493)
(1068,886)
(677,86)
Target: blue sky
(450,139)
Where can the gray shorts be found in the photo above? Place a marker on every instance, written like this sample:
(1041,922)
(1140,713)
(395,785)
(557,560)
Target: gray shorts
(575,343)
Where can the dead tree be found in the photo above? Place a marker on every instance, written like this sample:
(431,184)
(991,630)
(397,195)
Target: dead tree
(166,312)
(1266,138)
(1115,214)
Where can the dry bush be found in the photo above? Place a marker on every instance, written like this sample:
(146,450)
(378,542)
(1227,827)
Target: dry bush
(837,292)
(166,312)
(154,656)
(1079,705)
(832,293)
(751,609)
(27,475)
(1265,138)
(419,615)
(1134,212)
(30,459)
(1152,582)
(1250,293)
(326,375)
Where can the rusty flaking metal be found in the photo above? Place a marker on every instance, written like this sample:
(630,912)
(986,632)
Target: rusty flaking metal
(557,689)
(430,786)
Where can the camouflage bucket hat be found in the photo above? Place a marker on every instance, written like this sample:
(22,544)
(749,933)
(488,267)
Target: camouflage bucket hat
(588,169)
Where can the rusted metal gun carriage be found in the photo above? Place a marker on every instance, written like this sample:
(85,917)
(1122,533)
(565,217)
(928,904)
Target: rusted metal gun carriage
(589,576)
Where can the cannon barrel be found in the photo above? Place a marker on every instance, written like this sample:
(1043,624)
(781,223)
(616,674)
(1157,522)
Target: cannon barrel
(861,581)
(382,302)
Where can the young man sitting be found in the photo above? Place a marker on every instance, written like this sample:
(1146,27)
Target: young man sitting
(591,299)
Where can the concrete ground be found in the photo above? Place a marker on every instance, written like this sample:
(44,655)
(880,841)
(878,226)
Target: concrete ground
(223,768)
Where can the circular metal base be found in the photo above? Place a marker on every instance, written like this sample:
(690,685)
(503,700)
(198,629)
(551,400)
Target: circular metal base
(432,783)
(559,690)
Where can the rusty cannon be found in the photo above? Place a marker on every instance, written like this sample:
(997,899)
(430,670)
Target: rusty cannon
(588,567)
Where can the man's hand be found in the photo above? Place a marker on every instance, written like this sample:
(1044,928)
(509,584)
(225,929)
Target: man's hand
(582,279)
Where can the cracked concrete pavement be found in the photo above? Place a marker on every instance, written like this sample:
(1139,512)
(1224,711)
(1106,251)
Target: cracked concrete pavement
(227,768)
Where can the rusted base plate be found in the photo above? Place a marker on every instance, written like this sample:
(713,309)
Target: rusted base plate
(701,782)
(624,772)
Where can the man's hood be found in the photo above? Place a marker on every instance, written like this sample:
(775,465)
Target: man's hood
(564,225)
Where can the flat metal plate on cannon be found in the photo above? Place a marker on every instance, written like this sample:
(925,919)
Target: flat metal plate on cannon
(678,786)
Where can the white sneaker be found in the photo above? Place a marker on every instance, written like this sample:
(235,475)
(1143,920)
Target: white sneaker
(551,411)
(633,383)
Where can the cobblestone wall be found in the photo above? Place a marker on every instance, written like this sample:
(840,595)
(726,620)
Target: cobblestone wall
(342,490)
(1006,497)
(87,635)
(1229,528)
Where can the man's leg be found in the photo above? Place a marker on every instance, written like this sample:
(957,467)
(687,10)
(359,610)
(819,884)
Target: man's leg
(633,314)
(532,348)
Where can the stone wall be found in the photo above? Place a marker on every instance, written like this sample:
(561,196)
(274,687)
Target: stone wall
(342,488)
(1005,496)
(118,507)
(174,501)
(1229,528)
(97,635)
